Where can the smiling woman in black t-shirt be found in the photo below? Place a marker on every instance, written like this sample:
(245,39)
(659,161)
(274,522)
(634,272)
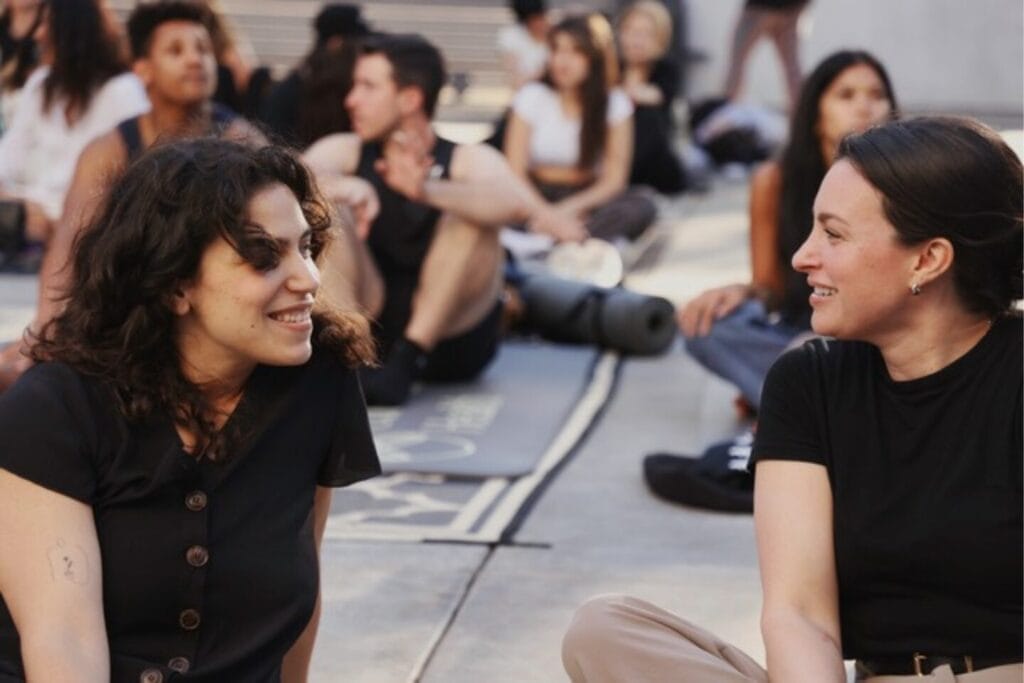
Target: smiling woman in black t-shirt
(887,497)
(164,482)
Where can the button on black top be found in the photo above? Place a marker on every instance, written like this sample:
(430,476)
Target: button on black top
(196,501)
(189,619)
(179,664)
(300,426)
(151,676)
(197,556)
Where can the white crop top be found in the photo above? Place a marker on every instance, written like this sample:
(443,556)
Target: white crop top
(555,138)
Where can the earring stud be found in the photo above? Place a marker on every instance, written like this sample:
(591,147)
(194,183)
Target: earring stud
(915,289)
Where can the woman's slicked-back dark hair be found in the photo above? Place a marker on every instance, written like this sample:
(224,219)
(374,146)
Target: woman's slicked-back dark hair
(594,89)
(87,51)
(803,166)
(957,179)
(145,242)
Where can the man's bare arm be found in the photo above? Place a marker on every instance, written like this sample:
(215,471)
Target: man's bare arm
(335,155)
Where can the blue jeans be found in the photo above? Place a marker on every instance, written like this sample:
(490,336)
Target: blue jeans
(742,346)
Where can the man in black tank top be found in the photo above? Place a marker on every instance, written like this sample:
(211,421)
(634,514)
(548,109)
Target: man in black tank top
(423,257)
(173,56)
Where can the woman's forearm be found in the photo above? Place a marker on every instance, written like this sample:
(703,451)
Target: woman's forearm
(799,650)
(63,656)
(584,201)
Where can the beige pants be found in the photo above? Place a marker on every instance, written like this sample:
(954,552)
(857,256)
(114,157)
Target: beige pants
(619,639)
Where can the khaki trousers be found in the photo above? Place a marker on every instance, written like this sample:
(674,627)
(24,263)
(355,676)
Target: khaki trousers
(619,639)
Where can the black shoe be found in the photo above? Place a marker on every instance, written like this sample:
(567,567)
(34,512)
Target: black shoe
(391,383)
(718,480)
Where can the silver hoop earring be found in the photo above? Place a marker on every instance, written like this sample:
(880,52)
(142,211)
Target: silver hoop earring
(915,289)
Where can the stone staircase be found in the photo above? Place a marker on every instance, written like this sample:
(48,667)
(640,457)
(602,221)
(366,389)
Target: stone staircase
(465,30)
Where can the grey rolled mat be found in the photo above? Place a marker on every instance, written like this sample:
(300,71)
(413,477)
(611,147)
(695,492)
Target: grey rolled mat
(580,313)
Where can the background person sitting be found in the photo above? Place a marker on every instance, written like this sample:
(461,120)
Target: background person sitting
(888,454)
(737,331)
(81,90)
(524,44)
(426,264)
(570,135)
(310,102)
(651,79)
(776,19)
(241,82)
(19,55)
(173,57)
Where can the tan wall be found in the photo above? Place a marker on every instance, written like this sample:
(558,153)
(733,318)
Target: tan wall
(955,56)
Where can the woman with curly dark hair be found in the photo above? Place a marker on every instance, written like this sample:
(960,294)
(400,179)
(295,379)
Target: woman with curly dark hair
(165,481)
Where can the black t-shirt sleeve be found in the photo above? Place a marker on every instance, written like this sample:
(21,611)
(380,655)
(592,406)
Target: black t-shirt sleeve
(48,427)
(352,456)
(787,426)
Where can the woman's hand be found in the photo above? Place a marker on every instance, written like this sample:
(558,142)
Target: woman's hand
(695,319)
(560,224)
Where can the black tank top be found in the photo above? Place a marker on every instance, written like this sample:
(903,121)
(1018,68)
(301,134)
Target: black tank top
(221,117)
(400,237)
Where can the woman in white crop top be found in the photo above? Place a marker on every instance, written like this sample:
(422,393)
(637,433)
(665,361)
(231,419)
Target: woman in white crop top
(571,136)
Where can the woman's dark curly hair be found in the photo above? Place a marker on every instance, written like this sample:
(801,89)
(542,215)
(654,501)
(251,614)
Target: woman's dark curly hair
(145,242)
(957,179)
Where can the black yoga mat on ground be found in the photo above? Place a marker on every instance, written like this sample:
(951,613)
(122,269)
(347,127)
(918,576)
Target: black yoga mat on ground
(497,426)
(575,312)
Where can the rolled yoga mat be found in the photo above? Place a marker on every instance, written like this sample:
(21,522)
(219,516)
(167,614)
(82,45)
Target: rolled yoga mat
(580,313)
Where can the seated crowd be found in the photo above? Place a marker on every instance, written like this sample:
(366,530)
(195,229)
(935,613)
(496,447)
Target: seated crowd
(229,265)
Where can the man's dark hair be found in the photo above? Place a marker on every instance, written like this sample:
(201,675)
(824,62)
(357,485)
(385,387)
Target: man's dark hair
(146,18)
(414,62)
(524,9)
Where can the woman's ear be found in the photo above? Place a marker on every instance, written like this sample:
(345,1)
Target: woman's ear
(179,301)
(935,257)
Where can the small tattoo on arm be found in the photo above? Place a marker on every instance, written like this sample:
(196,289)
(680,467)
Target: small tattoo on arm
(68,563)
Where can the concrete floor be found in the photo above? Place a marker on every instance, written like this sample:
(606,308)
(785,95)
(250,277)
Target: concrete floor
(451,613)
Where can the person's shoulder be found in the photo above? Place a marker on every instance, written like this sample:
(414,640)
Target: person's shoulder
(475,160)
(620,107)
(124,84)
(1008,331)
(241,129)
(510,37)
(337,152)
(105,150)
(822,357)
(532,94)
(767,176)
(44,385)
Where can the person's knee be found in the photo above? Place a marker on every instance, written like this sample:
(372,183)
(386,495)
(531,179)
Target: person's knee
(593,629)
(706,346)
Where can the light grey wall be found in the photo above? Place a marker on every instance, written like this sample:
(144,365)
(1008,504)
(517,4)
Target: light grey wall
(954,56)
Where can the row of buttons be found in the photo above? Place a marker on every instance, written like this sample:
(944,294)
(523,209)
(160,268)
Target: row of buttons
(179,664)
(196,556)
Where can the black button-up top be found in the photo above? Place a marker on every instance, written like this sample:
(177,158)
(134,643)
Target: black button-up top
(209,568)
